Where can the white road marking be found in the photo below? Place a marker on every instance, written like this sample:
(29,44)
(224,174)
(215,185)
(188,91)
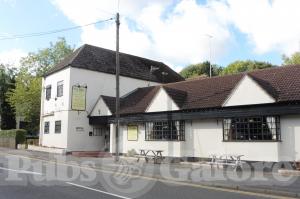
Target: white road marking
(21,171)
(166,180)
(97,190)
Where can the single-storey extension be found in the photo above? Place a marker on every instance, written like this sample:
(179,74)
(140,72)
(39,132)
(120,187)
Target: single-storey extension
(255,114)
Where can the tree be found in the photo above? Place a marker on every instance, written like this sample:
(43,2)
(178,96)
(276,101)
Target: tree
(245,66)
(39,63)
(7,116)
(25,98)
(294,59)
(200,69)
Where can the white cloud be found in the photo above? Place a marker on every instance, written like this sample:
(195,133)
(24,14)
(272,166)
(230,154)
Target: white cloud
(269,25)
(175,32)
(153,29)
(12,3)
(12,57)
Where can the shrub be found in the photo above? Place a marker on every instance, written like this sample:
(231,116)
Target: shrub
(18,134)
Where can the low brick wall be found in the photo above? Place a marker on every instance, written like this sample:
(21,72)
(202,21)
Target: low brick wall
(8,142)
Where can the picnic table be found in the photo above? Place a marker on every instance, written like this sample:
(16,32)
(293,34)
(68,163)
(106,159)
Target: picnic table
(154,154)
(227,160)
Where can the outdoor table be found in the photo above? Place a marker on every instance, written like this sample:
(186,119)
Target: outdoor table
(227,160)
(154,154)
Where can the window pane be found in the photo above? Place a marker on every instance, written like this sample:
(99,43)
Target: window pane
(165,130)
(57,126)
(251,129)
(46,127)
(99,131)
(60,88)
(48,92)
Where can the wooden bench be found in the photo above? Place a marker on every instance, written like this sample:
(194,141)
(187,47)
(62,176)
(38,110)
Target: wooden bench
(156,155)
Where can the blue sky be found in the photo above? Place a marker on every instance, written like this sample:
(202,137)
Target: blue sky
(170,31)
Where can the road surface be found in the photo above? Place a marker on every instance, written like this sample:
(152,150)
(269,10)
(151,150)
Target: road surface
(35,179)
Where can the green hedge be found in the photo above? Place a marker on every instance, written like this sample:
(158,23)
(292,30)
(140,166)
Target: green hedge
(19,134)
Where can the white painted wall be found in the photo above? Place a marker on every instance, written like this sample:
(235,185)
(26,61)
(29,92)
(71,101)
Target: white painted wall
(289,148)
(55,109)
(162,102)
(97,84)
(100,109)
(57,103)
(170,148)
(53,139)
(248,92)
(205,137)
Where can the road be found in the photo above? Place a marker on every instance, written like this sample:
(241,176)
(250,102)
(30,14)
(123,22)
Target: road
(32,178)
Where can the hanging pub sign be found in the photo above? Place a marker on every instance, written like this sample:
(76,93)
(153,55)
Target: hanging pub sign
(132,133)
(78,98)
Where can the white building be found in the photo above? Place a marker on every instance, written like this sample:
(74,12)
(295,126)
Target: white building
(92,69)
(254,114)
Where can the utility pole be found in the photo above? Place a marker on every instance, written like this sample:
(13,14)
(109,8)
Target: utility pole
(117,86)
(210,66)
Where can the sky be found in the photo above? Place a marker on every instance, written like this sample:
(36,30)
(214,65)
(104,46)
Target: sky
(176,32)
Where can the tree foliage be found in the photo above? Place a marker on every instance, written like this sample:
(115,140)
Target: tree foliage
(245,66)
(200,69)
(7,81)
(294,59)
(25,98)
(40,62)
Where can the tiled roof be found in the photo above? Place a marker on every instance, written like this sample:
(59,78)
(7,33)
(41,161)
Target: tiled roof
(138,101)
(103,60)
(110,103)
(209,92)
(283,83)
(177,95)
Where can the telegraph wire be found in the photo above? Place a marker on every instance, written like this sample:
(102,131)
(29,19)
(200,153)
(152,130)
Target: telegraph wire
(37,34)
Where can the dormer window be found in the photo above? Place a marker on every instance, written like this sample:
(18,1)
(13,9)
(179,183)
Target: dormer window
(60,88)
(48,92)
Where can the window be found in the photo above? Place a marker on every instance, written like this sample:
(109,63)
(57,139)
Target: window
(46,127)
(165,130)
(265,128)
(60,89)
(57,126)
(48,92)
(99,131)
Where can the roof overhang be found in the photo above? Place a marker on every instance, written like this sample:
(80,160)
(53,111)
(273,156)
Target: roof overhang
(209,113)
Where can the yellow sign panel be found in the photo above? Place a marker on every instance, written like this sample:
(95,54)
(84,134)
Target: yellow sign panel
(132,133)
(78,98)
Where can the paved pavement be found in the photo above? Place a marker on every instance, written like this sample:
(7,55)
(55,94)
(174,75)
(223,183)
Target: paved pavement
(41,175)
